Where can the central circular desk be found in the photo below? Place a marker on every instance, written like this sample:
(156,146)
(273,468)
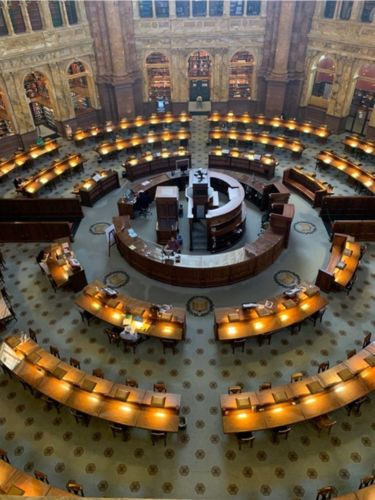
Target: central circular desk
(202,270)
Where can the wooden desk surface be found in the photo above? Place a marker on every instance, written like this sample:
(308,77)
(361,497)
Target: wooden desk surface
(91,395)
(233,323)
(4,309)
(298,402)
(113,310)
(357,142)
(349,168)
(11,476)
(362,494)
(58,257)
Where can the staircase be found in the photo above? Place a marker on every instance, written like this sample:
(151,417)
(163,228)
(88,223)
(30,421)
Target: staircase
(199,235)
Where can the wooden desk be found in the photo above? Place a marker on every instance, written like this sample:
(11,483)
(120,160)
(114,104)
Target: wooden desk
(320,131)
(71,163)
(60,263)
(154,163)
(362,494)
(233,323)
(283,405)
(344,253)
(246,161)
(126,124)
(107,149)
(92,189)
(307,185)
(269,141)
(168,325)
(25,158)
(14,481)
(91,395)
(354,142)
(361,176)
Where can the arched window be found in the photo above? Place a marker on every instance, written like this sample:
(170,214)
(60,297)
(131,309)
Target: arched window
(71,11)
(241,75)
(158,77)
(79,87)
(34,15)
(368,12)
(6,127)
(36,89)
(56,15)
(324,76)
(16,17)
(363,100)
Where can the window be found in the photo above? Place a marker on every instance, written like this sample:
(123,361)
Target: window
(253,8)
(346,10)
(3,26)
(368,12)
(199,8)
(145,8)
(34,15)
(71,11)
(324,76)
(236,8)
(182,8)
(161,8)
(54,7)
(216,8)
(329,9)
(16,17)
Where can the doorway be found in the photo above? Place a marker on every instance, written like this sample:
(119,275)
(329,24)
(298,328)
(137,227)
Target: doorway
(363,101)
(199,74)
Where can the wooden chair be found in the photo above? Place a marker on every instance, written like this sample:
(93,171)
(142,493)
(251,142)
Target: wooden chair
(131,382)
(41,476)
(265,386)
(80,417)
(160,387)
(52,283)
(75,363)
(2,261)
(85,316)
(54,351)
(32,335)
(366,481)
(240,343)
(350,354)
(323,366)
(265,338)
(4,456)
(323,422)
(98,372)
(131,343)
(113,336)
(120,429)
(182,423)
(366,340)
(169,344)
(234,389)
(280,432)
(74,488)
(296,377)
(244,438)
(318,316)
(350,285)
(326,493)
(158,436)
(355,406)
(51,403)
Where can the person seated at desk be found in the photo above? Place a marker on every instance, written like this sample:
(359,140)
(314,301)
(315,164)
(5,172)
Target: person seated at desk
(17,183)
(172,246)
(143,201)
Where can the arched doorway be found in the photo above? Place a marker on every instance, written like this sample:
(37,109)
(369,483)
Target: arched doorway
(323,81)
(6,125)
(241,75)
(36,88)
(78,78)
(199,74)
(363,100)
(158,80)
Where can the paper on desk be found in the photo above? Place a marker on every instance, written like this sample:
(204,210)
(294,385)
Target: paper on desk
(132,233)
(132,247)
(144,183)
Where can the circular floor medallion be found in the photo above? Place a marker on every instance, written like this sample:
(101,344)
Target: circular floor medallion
(304,227)
(287,279)
(99,227)
(116,279)
(199,305)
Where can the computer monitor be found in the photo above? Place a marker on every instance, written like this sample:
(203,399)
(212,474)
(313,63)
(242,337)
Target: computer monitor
(183,165)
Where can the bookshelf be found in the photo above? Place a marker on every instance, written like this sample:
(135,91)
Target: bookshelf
(6,127)
(159,80)
(36,88)
(199,65)
(241,74)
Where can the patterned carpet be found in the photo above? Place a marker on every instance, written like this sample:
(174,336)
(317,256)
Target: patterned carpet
(200,462)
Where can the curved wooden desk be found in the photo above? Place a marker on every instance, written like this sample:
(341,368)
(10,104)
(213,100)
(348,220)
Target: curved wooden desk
(356,172)
(321,131)
(71,162)
(126,124)
(307,185)
(301,401)
(91,395)
(245,161)
(233,323)
(271,142)
(354,142)
(106,149)
(14,481)
(154,163)
(115,309)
